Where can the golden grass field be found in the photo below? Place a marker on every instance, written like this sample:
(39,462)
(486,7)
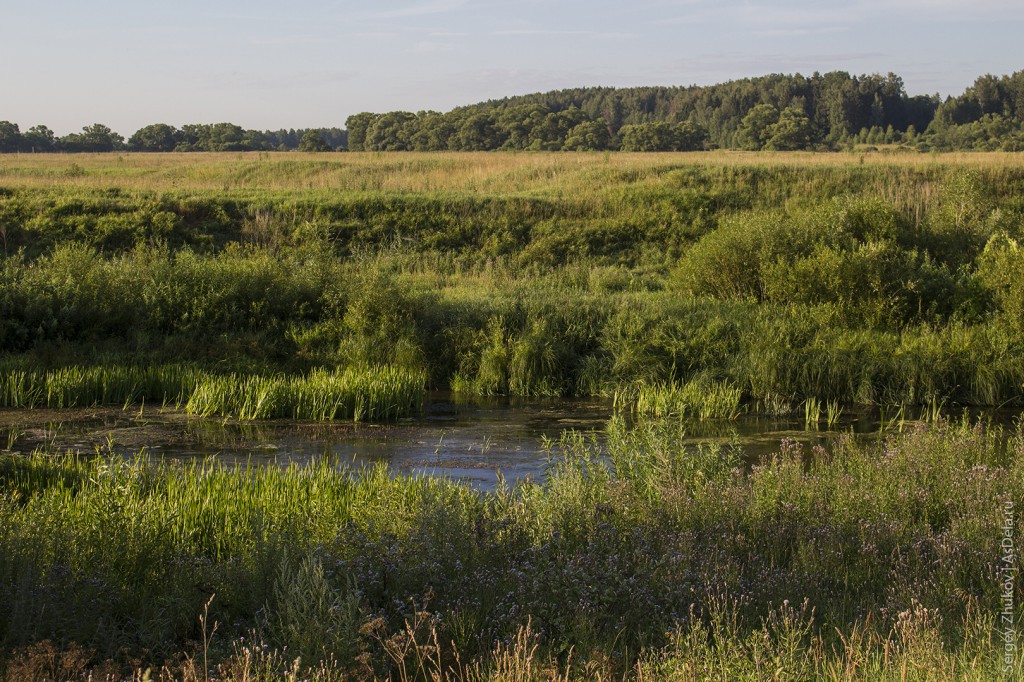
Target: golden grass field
(490,172)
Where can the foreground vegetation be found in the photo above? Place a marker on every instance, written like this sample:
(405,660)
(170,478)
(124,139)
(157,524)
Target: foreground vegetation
(643,559)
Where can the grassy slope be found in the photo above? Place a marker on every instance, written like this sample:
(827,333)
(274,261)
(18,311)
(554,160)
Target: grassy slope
(874,279)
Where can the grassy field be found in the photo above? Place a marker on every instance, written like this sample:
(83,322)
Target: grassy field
(413,172)
(681,286)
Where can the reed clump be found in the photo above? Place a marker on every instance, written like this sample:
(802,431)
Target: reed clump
(370,394)
(698,399)
(360,394)
(78,386)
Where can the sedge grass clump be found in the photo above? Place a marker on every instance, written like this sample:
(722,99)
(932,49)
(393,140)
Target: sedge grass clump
(360,394)
(698,399)
(78,386)
(654,458)
(789,646)
(370,394)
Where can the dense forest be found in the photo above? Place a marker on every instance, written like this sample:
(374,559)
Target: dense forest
(776,112)
(828,111)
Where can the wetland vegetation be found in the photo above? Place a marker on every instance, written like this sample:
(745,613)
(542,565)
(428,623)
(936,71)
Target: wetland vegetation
(777,279)
(681,287)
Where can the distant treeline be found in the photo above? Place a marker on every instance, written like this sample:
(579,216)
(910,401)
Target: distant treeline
(160,137)
(835,110)
(781,112)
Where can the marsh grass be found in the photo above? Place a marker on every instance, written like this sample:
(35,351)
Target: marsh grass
(97,385)
(812,413)
(360,394)
(698,399)
(833,413)
(370,394)
(432,172)
(502,330)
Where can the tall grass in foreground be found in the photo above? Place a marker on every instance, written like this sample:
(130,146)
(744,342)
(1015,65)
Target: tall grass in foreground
(784,648)
(645,559)
(360,394)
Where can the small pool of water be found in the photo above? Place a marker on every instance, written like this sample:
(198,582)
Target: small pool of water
(477,441)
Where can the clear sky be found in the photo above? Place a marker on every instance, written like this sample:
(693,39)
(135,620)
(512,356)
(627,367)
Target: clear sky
(311,63)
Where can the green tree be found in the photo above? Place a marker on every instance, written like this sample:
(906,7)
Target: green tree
(517,124)
(100,138)
(256,140)
(648,137)
(791,131)
(39,139)
(94,138)
(756,128)
(550,132)
(988,92)
(226,137)
(433,132)
(837,108)
(312,141)
(194,137)
(357,125)
(158,137)
(10,137)
(588,136)
(690,136)
(391,132)
(478,132)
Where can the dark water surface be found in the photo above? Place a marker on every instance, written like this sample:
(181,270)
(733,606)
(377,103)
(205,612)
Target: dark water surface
(475,441)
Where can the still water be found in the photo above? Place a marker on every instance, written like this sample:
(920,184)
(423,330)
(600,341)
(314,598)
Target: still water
(477,441)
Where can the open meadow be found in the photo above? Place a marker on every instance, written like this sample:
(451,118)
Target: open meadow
(680,288)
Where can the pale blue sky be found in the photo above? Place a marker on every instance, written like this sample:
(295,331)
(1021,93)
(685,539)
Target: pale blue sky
(263,65)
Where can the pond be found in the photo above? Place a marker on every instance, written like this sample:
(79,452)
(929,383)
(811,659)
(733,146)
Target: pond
(476,440)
